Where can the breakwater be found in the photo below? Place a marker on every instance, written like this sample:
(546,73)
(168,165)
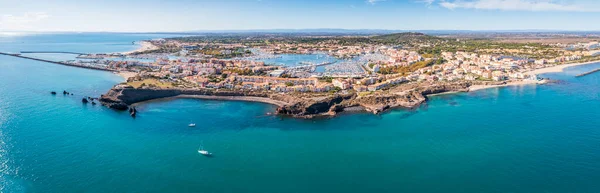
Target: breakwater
(52,52)
(588,73)
(55,62)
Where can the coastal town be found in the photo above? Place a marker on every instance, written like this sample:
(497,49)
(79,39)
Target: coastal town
(376,67)
(299,96)
(365,69)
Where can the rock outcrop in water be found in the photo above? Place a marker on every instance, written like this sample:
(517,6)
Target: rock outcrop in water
(132,111)
(121,97)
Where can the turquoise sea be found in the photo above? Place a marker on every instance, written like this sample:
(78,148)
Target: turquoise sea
(542,138)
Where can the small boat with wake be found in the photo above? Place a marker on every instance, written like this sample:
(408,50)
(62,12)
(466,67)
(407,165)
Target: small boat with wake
(204,152)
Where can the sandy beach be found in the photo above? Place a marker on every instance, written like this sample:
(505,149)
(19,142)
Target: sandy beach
(236,98)
(126,74)
(559,68)
(514,83)
(144,46)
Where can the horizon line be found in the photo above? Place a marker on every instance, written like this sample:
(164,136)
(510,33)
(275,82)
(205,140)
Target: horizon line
(311,30)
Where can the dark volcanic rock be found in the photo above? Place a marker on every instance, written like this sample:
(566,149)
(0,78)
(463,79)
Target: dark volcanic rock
(410,99)
(117,106)
(84,100)
(53,93)
(121,96)
(309,108)
(132,112)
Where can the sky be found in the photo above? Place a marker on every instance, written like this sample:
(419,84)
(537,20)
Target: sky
(200,15)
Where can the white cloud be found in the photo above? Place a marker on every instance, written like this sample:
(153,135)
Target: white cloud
(514,5)
(21,22)
(373,2)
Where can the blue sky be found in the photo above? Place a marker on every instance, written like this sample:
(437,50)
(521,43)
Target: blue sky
(188,15)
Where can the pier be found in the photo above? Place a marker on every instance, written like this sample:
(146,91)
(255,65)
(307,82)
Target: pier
(588,73)
(55,62)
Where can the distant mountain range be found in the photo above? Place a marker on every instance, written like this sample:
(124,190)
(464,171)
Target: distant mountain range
(334,31)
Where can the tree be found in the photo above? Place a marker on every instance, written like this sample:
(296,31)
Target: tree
(440,61)
(427,55)
(406,69)
(326,79)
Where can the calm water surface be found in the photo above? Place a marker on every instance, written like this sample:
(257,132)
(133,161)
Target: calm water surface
(517,139)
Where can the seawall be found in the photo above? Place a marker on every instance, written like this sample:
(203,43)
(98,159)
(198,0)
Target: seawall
(588,73)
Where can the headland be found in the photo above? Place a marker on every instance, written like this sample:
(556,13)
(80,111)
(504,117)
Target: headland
(322,75)
(305,105)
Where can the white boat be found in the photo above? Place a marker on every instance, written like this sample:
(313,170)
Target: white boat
(203,152)
(192,125)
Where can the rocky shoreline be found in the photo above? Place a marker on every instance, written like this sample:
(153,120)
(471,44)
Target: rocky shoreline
(122,97)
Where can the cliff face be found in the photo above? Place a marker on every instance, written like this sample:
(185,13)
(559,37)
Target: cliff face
(308,108)
(121,97)
(408,99)
(441,88)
